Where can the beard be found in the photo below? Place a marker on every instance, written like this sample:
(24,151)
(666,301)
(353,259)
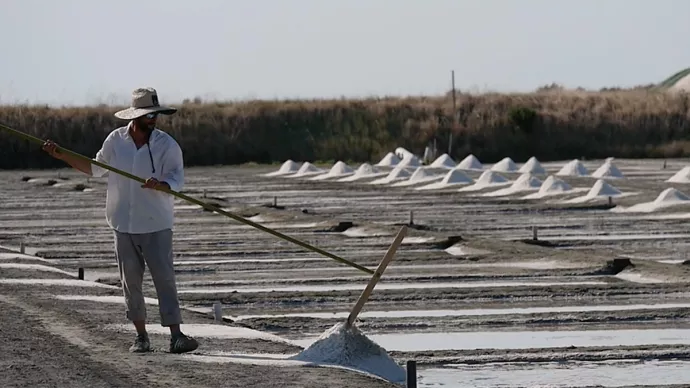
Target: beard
(146,126)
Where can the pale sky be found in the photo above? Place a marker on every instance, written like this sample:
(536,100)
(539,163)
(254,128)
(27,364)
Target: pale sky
(96,51)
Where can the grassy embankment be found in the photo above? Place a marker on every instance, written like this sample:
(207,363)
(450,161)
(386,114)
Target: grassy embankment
(549,125)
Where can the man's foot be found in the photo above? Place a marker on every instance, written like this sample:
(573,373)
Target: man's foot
(180,343)
(141,344)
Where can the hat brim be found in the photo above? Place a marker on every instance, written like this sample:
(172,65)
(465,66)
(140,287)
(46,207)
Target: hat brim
(134,113)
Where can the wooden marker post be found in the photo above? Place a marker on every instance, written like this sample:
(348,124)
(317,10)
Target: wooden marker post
(377,276)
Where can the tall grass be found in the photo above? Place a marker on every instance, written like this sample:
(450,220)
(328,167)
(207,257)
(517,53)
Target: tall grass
(547,124)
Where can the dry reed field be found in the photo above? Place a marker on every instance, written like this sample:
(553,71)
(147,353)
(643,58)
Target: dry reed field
(549,124)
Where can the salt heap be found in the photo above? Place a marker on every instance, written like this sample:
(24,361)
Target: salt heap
(573,168)
(410,161)
(420,175)
(608,170)
(505,165)
(526,182)
(487,179)
(396,174)
(390,160)
(348,347)
(307,169)
(601,188)
(532,166)
(340,169)
(551,186)
(364,171)
(470,163)
(288,167)
(443,161)
(682,176)
(667,198)
(403,153)
(452,178)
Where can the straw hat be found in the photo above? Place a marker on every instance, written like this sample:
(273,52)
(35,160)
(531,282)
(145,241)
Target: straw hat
(144,101)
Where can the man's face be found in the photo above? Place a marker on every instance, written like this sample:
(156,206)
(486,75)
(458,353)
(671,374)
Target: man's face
(147,122)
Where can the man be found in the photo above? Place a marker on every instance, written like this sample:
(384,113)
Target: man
(141,216)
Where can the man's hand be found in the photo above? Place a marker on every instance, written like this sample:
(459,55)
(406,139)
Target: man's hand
(153,183)
(51,148)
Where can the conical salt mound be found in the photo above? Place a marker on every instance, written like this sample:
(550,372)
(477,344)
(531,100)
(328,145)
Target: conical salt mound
(532,166)
(608,170)
(403,153)
(288,167)
(671,195)
(487,179)
(390,160)
(554,185)
(491,177)
(470,163)
(348,347)
(601,188)
(526,181)
(505,165)
(573,168)
(420,175)
(443,161)
(410,161)
(451,178)
(364,171)
(456,176)
(397,173)
(682,176)
(307,169)
(339,169)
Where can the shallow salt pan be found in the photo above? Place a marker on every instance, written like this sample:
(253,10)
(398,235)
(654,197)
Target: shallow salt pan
(116,299)
(35,267)
(207,331)
(561,374)
(411,342)
(231,261)
(380,286)
(469,312)
(57,282)
(13,256)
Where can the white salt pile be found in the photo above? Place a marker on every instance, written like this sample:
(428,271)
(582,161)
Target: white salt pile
(410,161)
(525,182)
(667,198)
(487,179)
(443,161)
(682,176)
(573,168)
(390,160)
(364,171)
(552,186)
(402,153)
(340,169)
(348,347)
(505,165)
(307,169)
(470,163)
(601,189)
(420,175)
(532,166)
(288,167)
(396,174)
(452,178)
(608,170)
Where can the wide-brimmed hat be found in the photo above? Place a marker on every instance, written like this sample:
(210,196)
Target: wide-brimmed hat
(144,101)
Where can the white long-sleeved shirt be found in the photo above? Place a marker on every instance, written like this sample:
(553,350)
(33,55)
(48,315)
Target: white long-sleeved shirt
(129,207)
